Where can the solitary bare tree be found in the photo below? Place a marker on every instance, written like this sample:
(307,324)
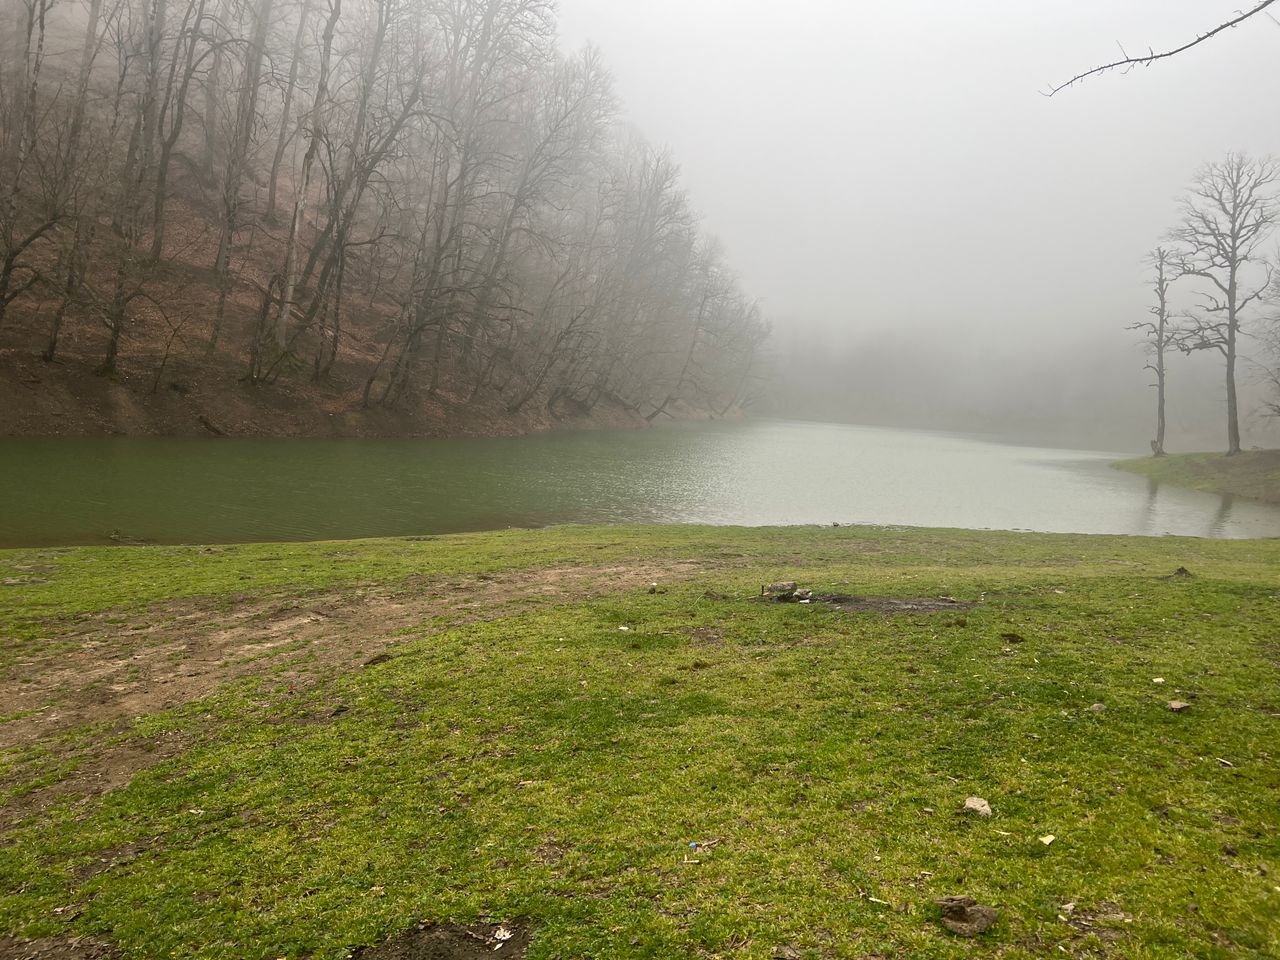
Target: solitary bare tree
(1158,333)
(1228,213)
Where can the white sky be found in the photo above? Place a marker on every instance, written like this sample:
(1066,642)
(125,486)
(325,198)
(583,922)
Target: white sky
(896,165)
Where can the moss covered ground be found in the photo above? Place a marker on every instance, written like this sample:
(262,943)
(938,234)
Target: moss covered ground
(512,727)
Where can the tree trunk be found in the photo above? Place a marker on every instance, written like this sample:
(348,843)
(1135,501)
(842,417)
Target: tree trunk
(272,332)
(286,111)
(237,157)
(1233,412)
(178,104)
(1157,448)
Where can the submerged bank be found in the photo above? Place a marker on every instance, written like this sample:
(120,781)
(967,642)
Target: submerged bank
(1253,474)
(602,739)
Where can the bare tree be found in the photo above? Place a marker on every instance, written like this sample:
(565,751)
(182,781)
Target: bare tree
(23,225)
(269,331)
(1158,333)
(286,131)
(424,193)
(1228,213)
(187,58)
(1269,335)
(238,151)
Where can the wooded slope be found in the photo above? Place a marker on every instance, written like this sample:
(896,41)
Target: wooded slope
(411,215)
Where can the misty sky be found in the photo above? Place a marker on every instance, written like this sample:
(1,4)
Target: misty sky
(894,168)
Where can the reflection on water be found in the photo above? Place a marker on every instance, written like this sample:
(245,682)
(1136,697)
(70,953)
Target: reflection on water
(1218,524)
(1222,518)
(1150,514)
(763,472)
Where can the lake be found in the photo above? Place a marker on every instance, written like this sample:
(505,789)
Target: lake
(72,491)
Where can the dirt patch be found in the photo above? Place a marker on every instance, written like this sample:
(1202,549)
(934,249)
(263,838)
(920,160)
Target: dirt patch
(549,853)
(55,948)
(1103,922)
(108,669)
(108,859)
(180,651)
(861,604)
(452,942)
(706,636)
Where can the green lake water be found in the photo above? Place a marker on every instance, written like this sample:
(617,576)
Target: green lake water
(69,491)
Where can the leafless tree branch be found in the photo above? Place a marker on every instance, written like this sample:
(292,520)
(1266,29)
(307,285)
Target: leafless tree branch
(1127,63)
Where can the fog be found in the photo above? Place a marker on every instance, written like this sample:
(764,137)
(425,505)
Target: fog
(935,241)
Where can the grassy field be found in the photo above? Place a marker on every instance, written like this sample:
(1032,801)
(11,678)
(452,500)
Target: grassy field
(1254,474)
(303,750)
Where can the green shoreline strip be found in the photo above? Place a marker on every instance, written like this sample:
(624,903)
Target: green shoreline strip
(1253,474)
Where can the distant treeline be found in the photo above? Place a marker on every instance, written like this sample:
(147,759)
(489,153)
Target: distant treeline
(411,197)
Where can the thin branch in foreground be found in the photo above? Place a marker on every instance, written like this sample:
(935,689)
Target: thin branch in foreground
(1128,63)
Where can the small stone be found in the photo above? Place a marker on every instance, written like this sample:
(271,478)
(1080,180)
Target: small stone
(1098,708)
(1179,706)
(976,805)
(965,916)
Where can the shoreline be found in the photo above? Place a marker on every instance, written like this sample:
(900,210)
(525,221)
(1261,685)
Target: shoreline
(68,400)
(125,541)
(1251,474)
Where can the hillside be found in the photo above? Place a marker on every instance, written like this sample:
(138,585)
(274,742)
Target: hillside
(391,219)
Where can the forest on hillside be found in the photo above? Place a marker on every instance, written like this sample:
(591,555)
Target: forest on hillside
(386,205)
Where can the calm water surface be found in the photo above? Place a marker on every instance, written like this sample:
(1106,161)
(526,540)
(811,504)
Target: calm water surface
(64,491)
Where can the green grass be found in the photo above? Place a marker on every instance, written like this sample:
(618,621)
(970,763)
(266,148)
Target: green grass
(1253,474)
(551,766)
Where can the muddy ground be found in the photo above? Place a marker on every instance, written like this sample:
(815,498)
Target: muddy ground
(108,669)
